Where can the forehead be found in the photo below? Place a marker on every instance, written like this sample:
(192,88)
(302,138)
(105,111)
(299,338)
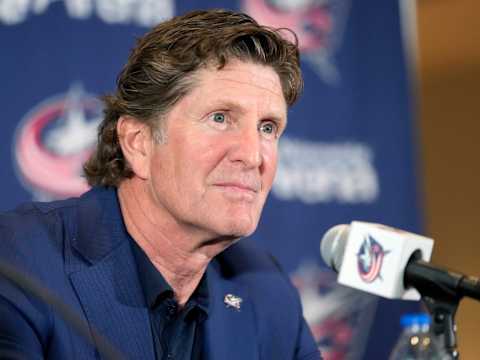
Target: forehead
(241,72)
(241,82)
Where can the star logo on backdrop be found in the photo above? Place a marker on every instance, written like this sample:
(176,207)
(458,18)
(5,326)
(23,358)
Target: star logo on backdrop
(54,140)
(318,24)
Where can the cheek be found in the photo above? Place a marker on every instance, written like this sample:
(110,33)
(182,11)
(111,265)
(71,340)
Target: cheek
(196,157)
(270,159)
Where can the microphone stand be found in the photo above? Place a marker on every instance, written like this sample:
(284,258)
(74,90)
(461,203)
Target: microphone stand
(442,310)
(442,303)
(441,291)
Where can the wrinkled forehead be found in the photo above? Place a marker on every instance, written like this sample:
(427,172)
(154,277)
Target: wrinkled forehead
(237,69)
(242,85)
(245,73)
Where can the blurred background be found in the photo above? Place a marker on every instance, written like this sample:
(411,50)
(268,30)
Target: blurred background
(385,132)
(449,119)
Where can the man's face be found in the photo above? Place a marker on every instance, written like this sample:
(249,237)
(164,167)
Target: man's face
(216,167)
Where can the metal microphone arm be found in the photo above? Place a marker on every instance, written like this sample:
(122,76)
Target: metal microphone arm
(441,290)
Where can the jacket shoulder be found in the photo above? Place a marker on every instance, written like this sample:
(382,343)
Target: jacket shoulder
(32,237)
(33,224)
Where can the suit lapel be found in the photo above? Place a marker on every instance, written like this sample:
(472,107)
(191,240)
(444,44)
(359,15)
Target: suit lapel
(229,333)
(109,289)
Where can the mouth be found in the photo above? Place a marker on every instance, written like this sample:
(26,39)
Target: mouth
(238,191)
(239,187)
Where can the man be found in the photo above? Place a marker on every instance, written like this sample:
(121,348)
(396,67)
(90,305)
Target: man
(146,265)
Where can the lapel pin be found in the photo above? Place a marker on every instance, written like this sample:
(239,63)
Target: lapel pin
(233,301)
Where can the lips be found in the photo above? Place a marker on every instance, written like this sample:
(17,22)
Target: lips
(240,186)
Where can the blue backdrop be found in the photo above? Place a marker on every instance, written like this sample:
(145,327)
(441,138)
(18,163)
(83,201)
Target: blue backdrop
(348,153)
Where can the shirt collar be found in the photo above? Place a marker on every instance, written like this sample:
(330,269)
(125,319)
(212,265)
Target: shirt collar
(155,288)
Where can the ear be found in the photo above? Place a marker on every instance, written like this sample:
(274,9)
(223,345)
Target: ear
(136,142)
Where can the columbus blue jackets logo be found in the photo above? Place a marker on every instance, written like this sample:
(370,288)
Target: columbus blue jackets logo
(54,140)
(319,25)
(370,259)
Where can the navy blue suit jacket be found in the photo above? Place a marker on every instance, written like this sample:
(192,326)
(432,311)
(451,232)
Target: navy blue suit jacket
(77,253)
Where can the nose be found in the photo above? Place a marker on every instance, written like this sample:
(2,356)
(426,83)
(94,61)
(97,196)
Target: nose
(247,147)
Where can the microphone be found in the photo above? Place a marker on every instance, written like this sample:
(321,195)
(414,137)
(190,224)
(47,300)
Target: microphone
(372,257)
(391,263)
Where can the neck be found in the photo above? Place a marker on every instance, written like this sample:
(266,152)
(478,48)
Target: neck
(181,254)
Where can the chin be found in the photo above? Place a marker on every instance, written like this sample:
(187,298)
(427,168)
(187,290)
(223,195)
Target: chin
(241,230)
(232,222)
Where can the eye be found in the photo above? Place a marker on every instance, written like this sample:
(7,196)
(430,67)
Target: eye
(218,117)
(269,128)
(219,120)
